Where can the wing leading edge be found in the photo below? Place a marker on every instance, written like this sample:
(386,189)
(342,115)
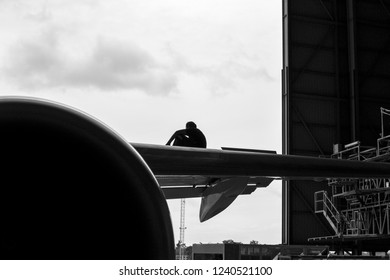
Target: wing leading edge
(219,176)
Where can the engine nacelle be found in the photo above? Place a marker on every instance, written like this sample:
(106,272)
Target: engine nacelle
(71,188)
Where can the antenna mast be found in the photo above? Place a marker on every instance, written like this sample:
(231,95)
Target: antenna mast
(182,228)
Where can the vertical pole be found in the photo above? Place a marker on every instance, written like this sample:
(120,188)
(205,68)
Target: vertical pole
(388,219)
(337,73)
(353,81)
(182,228)
(382,129)
(286,122)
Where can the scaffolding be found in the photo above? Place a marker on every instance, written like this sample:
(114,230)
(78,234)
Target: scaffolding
(358,209)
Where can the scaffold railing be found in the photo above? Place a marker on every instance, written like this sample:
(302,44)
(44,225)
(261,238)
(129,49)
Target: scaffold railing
(355,151)
(323,205)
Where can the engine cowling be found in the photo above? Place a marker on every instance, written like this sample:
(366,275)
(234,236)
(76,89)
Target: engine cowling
(71,188)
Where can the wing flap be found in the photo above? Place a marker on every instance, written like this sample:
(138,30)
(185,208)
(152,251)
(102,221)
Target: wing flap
(219,197)
(191,190)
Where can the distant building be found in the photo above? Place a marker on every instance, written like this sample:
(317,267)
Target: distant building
(238,251)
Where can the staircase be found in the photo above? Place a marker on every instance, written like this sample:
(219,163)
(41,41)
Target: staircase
(324,206)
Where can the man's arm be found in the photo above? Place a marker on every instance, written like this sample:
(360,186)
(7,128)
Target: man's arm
(171,139)
(182,131)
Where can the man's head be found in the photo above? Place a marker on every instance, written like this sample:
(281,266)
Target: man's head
(190,125)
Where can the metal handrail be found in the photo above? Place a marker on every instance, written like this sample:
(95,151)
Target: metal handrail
(348,149)
(330,210)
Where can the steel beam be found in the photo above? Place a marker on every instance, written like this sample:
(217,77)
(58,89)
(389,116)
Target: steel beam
(353,77)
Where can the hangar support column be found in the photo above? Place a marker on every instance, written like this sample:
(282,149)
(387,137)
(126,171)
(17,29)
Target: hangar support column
(353,73)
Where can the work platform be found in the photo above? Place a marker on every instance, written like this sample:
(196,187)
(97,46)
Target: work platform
(357,210)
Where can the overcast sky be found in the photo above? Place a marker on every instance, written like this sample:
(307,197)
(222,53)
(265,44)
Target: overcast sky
(147,67)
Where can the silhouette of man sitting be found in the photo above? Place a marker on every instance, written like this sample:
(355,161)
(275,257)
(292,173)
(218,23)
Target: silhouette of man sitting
(191,136)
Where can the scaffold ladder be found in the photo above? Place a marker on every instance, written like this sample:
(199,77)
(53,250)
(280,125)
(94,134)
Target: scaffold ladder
(323,205)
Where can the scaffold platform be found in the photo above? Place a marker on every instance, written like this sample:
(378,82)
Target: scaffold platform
(357,210)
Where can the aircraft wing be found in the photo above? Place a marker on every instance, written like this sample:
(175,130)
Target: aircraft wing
(219,176)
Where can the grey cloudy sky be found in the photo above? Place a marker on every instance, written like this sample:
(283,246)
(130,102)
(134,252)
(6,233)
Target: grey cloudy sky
(146,67)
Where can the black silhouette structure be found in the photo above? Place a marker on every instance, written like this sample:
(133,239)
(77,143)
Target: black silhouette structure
(352,37)
(191,136)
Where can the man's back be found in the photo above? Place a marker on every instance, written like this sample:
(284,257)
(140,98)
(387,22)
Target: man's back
(196,137)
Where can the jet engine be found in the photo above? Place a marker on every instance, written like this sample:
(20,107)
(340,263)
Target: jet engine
(71,188)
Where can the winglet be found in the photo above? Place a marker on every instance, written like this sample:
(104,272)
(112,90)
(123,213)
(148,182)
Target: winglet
(218,198)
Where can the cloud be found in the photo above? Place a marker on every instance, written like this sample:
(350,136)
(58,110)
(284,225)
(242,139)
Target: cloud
(33,63)
(43,15)
(224,74)
(49,61)
(115,65)
(61,57)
